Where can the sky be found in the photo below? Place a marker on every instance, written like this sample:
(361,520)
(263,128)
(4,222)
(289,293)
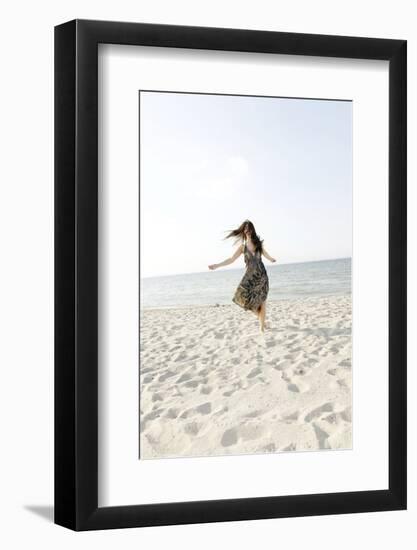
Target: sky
(208,162)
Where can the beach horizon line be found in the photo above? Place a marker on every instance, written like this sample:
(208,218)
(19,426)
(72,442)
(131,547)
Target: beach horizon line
(240,268)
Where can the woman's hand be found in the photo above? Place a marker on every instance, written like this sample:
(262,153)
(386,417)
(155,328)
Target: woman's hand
(237,253)
(268,256)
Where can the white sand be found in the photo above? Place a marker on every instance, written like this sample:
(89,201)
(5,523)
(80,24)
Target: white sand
(211,384)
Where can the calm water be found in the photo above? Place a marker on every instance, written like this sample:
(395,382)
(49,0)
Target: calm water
(309,279)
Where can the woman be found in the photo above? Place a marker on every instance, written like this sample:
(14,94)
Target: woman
(253,289)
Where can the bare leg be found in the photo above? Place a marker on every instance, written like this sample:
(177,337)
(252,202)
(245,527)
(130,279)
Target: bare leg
(262,314)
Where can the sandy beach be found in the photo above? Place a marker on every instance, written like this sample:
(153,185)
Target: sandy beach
(212,384)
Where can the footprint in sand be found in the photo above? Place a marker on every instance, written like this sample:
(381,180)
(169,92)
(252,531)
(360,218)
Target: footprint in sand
(145,371)
(254,414)
(326,407)
(175,348)
(192,428)
(184,378)
(157,397)
(188,413)
(205,408)
(229,437)
(179,357)
(254,372)
(298,387)
(282,366)
(166,375)
(192,383)
(172,413)
(322,437)
(347,414)
(148,418)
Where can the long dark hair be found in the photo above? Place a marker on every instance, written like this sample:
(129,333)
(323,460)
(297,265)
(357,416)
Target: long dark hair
(239,234)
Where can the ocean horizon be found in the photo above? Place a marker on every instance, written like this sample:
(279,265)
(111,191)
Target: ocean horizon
(286,281)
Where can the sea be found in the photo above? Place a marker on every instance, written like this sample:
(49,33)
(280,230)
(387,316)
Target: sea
(211,288)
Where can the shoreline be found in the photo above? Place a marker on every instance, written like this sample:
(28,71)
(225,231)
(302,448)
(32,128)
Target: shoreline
(269,302)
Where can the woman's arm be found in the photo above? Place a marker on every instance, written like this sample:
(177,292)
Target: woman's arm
(229,261)
(267,256)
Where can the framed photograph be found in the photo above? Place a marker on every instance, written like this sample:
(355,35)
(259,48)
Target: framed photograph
(230,274)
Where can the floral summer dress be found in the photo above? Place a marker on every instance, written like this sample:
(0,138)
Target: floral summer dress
(254,286)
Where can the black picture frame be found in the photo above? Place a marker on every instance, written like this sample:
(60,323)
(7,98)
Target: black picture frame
(76,273)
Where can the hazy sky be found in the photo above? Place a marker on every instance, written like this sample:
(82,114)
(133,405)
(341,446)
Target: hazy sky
(209,162)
